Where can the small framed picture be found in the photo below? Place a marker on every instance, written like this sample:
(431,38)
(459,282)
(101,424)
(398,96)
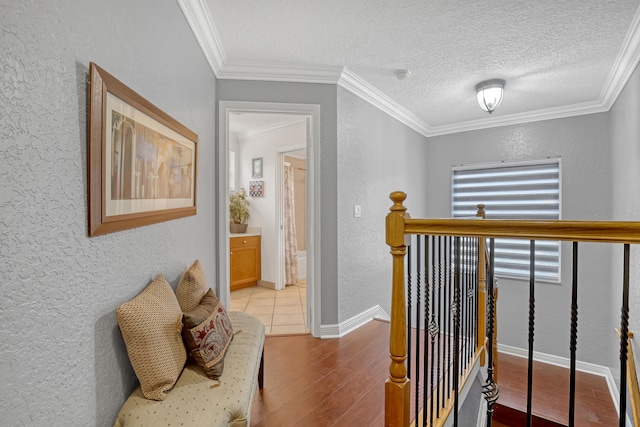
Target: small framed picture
(256,167)
(256,188)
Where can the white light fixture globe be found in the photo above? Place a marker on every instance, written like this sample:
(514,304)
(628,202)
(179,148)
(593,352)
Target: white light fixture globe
(490,94)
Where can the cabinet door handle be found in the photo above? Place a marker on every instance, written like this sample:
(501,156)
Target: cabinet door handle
(231,253)
(244,241)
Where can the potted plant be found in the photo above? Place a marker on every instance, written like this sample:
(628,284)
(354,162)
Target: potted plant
(238,211)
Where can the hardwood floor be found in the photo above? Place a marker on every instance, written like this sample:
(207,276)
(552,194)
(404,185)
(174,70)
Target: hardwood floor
(330,382)
(551,393)
(340,382)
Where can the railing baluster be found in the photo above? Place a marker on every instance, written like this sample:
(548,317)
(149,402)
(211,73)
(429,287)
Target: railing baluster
(624,336)
(409,303)
(532,323)
(417,326)
(456,329)
(463,303)
(448,312)
(433,326)
(490,389)
(573,337)
(440,341)
(469,295)
(470,292)
(426,329)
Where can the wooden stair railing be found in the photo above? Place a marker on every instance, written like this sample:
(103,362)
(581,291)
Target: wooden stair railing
(473,343)
(399,224)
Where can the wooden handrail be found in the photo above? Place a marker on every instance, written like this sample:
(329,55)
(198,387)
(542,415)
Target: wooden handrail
(575,231)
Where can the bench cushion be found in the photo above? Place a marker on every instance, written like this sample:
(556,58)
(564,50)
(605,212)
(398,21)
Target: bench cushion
(193,401)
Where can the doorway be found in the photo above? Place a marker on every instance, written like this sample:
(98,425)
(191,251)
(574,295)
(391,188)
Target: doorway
(233,167)
(292,214)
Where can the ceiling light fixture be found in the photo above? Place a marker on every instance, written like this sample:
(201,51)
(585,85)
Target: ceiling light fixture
(490,94)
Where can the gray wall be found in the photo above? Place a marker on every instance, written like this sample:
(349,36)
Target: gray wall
(583,144)
(376,155)
(625,159)
(62,359)
(325,96)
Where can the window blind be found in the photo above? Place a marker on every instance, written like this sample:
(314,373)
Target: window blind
(528,190)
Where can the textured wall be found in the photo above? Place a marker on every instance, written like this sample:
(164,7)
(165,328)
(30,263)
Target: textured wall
(625,158)
(376,155)
(62,359)
(583,144)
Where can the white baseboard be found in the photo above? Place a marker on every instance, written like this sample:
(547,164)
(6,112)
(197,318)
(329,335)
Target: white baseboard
(343,328)
(482,413)
(589,368)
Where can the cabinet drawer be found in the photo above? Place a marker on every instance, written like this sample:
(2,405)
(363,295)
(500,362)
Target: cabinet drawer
(239,242)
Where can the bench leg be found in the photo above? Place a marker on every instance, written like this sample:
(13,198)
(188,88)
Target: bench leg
(261,372)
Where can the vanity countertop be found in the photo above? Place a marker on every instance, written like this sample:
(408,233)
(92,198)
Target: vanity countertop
(251,231)
(247,234)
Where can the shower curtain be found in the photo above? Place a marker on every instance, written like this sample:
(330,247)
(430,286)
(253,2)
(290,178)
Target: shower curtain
(290,239)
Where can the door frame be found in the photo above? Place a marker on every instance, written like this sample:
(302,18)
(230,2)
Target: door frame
(280,153)
(225,108)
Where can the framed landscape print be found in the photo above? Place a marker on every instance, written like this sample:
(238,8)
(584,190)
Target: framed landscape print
(141,162)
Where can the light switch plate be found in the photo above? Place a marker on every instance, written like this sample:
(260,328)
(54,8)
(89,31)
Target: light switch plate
(357,211)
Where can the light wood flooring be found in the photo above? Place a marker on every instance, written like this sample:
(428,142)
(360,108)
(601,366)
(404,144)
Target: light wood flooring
(340,382)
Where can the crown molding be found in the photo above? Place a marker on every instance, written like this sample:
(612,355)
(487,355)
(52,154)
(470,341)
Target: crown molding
(363,89)
(279,72)
(520,118)
(199,15)
(199,18)
(625,64)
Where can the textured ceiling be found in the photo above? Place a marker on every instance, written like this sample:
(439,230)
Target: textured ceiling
(555,55)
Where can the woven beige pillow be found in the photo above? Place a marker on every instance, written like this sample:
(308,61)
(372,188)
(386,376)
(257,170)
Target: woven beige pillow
(191,288)
(151,325)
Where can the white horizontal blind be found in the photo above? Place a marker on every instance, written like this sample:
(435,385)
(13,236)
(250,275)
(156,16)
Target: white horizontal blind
(513,191)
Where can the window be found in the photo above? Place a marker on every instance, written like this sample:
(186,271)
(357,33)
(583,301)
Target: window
(519,190)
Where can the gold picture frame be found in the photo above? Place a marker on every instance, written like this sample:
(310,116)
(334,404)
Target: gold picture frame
(141,163)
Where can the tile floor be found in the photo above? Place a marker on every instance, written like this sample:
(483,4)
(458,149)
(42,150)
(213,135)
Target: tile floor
(282,312)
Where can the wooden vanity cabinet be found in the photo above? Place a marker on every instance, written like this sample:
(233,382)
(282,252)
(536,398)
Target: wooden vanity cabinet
(244,260)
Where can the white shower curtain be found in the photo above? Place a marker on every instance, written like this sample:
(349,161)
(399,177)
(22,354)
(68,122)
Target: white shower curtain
(290,238)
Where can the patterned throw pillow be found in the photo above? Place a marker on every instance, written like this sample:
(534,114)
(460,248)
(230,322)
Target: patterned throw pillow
(150,324)
(191,288)
(207,332)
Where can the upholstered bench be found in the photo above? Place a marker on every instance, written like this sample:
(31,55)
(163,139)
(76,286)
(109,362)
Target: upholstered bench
(197,401)
(198,365)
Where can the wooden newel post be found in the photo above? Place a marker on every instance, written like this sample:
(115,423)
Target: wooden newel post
(397,385)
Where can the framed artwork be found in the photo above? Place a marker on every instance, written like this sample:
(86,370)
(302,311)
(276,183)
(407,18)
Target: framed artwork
(141,162)
(256,188)
(256,167)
